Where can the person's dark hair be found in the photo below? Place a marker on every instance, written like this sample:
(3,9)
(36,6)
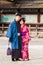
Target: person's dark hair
(18,14)
(23,19)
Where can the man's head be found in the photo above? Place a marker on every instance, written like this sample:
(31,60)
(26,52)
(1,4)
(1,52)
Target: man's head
(18,17)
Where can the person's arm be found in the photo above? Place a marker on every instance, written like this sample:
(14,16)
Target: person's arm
(28,34)
(9,33)
(8,41)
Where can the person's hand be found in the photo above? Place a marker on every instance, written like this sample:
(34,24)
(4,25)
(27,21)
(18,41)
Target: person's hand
(8,44)
(8,39)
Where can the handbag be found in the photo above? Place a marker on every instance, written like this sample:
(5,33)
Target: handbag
(9,51)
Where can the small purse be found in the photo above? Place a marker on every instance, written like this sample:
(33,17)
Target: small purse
(9,51)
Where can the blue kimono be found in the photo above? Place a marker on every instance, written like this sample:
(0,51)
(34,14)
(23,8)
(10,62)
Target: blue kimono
(12,35)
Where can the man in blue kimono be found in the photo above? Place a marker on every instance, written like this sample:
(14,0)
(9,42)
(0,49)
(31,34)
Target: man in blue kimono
(13,35)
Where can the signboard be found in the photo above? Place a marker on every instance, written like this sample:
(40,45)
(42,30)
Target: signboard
(22,10)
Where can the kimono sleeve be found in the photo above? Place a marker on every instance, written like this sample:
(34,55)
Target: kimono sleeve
(9,31)
(28,34)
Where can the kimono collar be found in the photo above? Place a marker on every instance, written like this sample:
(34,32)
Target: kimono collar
(23,25)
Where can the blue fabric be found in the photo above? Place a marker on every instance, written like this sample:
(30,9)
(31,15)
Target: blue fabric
(12,35)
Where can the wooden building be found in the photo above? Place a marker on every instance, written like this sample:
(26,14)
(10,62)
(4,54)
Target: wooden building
(32,10)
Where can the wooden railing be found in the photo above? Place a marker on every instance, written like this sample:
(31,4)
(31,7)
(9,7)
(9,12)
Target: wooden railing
(36,29)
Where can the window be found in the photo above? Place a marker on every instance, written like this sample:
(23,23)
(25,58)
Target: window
(31,18)
(41,18)
(7,18)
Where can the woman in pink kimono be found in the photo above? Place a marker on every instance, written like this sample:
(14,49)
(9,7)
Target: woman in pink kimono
(25,39)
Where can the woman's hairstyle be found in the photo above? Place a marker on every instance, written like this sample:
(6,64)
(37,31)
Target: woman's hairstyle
(23,19)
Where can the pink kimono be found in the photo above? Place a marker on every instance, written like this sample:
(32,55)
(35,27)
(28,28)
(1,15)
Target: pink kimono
(25,40)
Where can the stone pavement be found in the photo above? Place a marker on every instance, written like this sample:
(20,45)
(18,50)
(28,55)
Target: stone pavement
(35,51)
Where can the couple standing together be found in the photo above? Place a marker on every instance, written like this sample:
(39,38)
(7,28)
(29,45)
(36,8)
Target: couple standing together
(19,36)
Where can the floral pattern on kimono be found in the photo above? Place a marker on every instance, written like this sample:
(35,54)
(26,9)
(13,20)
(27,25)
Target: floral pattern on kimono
(25,40)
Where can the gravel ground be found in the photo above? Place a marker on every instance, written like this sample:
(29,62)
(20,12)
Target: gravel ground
(35,53)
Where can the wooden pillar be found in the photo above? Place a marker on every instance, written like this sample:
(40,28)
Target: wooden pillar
(38,18)
(38,21)
(38,15)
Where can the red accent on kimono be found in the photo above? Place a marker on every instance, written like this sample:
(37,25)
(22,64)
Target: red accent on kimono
(25,40)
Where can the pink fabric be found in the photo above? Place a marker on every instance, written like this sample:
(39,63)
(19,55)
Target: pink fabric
(25,40)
